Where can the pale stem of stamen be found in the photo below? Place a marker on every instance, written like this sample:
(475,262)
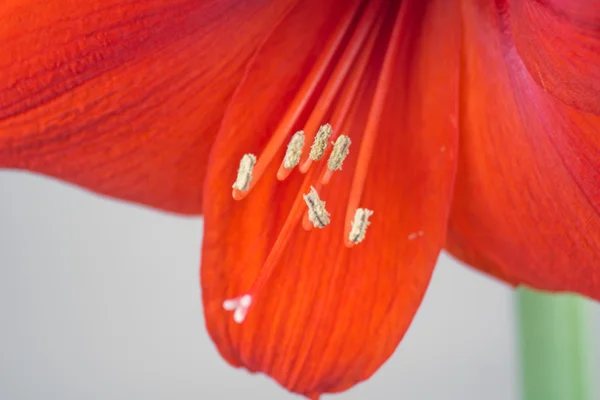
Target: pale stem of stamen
(349,94)
(302,97)
(317,214)
(292,155)
(373,121)
(359,225)
(239,307)
(244,175)
(368,18)
(338,120)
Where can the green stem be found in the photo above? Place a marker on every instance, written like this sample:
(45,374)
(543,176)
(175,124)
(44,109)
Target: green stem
(555,343)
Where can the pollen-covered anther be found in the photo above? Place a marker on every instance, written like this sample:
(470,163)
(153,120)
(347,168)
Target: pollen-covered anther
(341,148)
(294,150)
(317,214)
(244,175)
(239,306)
(359,225)
(320,143)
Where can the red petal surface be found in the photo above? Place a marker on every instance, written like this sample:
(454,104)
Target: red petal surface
(559,43)
(123,97)
(329,316)
(527,199)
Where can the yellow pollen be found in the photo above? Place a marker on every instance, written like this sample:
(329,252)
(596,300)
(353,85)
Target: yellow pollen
(294,150)
(341,148)
(244,175)
(320,143)
(359,225)
(317,214)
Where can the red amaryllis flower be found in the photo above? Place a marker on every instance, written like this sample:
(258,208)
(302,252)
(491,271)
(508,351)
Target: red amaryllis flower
(471,121)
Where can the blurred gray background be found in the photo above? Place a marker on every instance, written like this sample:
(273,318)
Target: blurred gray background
(101,300)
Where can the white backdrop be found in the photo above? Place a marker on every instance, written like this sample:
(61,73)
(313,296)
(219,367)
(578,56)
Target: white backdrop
(101,300)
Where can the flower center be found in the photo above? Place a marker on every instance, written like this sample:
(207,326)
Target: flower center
(363,25)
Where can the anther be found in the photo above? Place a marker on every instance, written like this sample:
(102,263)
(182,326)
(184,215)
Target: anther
(359,225)
(320,143)
(239,306)
(244,175)
(292,155)
(318,147)
(340,151)
(294,150)
(341,148)
(317,214)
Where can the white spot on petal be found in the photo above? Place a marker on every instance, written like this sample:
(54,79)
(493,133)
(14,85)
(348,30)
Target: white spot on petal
(239,306)
(415,235)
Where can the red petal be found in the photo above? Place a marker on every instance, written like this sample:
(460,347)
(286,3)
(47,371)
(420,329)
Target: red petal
(123,97)
(559,43)
(527,199)
(329,316)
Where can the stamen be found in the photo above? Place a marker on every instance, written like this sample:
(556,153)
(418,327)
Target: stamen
(349,69)
(244,175)
(372,127)
(320,143)
(350,91)
(359,225)
(302,97)
(294,150)
(239,306)
(345,101)
(367,21)
(317,214)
